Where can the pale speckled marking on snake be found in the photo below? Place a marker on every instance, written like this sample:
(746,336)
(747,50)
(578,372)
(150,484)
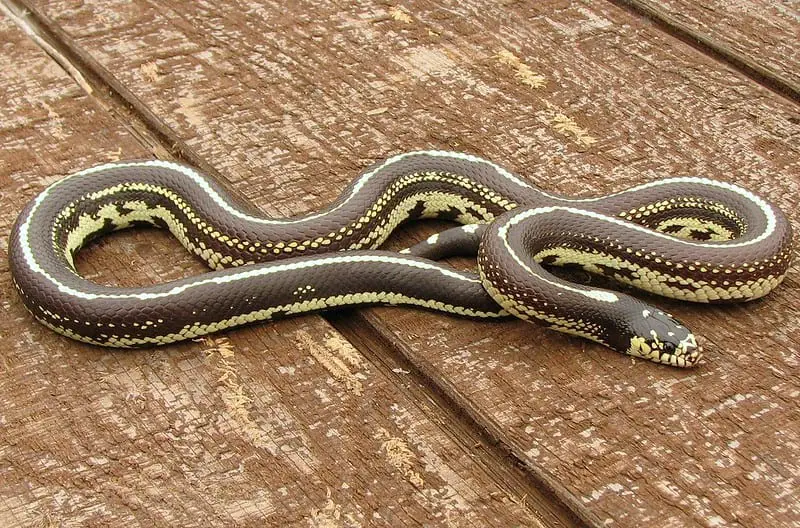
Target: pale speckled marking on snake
(733,245)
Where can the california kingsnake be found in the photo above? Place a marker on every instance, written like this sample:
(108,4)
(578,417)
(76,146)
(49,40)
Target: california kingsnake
(687,238)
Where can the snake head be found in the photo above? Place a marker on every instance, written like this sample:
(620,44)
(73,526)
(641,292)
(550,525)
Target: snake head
(659,337)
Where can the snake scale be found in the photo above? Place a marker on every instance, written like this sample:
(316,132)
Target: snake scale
(688,238)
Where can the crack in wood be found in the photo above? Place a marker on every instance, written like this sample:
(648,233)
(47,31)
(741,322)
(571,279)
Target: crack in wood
(713,48)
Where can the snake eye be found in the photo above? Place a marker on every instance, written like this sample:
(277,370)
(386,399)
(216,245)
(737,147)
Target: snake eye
(668,347)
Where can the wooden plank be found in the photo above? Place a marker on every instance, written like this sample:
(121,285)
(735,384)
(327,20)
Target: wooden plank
(757,38)
(286,424)
(594,100)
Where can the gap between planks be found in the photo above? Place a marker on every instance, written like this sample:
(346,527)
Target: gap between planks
(464,423)
(538,493)
(711,47)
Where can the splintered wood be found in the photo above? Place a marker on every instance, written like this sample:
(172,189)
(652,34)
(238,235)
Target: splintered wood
(398,417)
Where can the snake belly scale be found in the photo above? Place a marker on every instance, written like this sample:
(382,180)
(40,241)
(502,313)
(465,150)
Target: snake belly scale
(688,238)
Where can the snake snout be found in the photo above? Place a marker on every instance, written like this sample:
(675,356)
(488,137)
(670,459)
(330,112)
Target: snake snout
(662,339)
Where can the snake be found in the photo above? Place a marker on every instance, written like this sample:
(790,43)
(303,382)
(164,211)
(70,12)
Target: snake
(687,238)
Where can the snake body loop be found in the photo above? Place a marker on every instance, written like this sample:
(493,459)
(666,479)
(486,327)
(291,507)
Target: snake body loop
(687,238)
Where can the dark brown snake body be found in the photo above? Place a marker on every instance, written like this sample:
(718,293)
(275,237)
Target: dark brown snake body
(687,238)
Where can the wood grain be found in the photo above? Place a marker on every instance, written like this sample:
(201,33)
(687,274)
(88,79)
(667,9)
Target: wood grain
(593,100)
(282,425)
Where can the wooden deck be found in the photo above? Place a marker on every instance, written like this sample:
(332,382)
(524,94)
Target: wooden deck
(391,416)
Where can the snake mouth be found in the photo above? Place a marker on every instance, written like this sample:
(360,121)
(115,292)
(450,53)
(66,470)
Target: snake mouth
(688,353)
(684,353)
(689,357)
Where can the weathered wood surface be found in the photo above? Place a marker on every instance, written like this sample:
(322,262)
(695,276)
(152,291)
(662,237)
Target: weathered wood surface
(591,99)
(762,33)
(287,424)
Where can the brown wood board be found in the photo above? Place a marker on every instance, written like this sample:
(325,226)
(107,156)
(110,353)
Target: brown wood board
(591,100)
(757,37)
(280,425)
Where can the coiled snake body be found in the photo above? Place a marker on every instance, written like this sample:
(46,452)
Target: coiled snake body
(687,238)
